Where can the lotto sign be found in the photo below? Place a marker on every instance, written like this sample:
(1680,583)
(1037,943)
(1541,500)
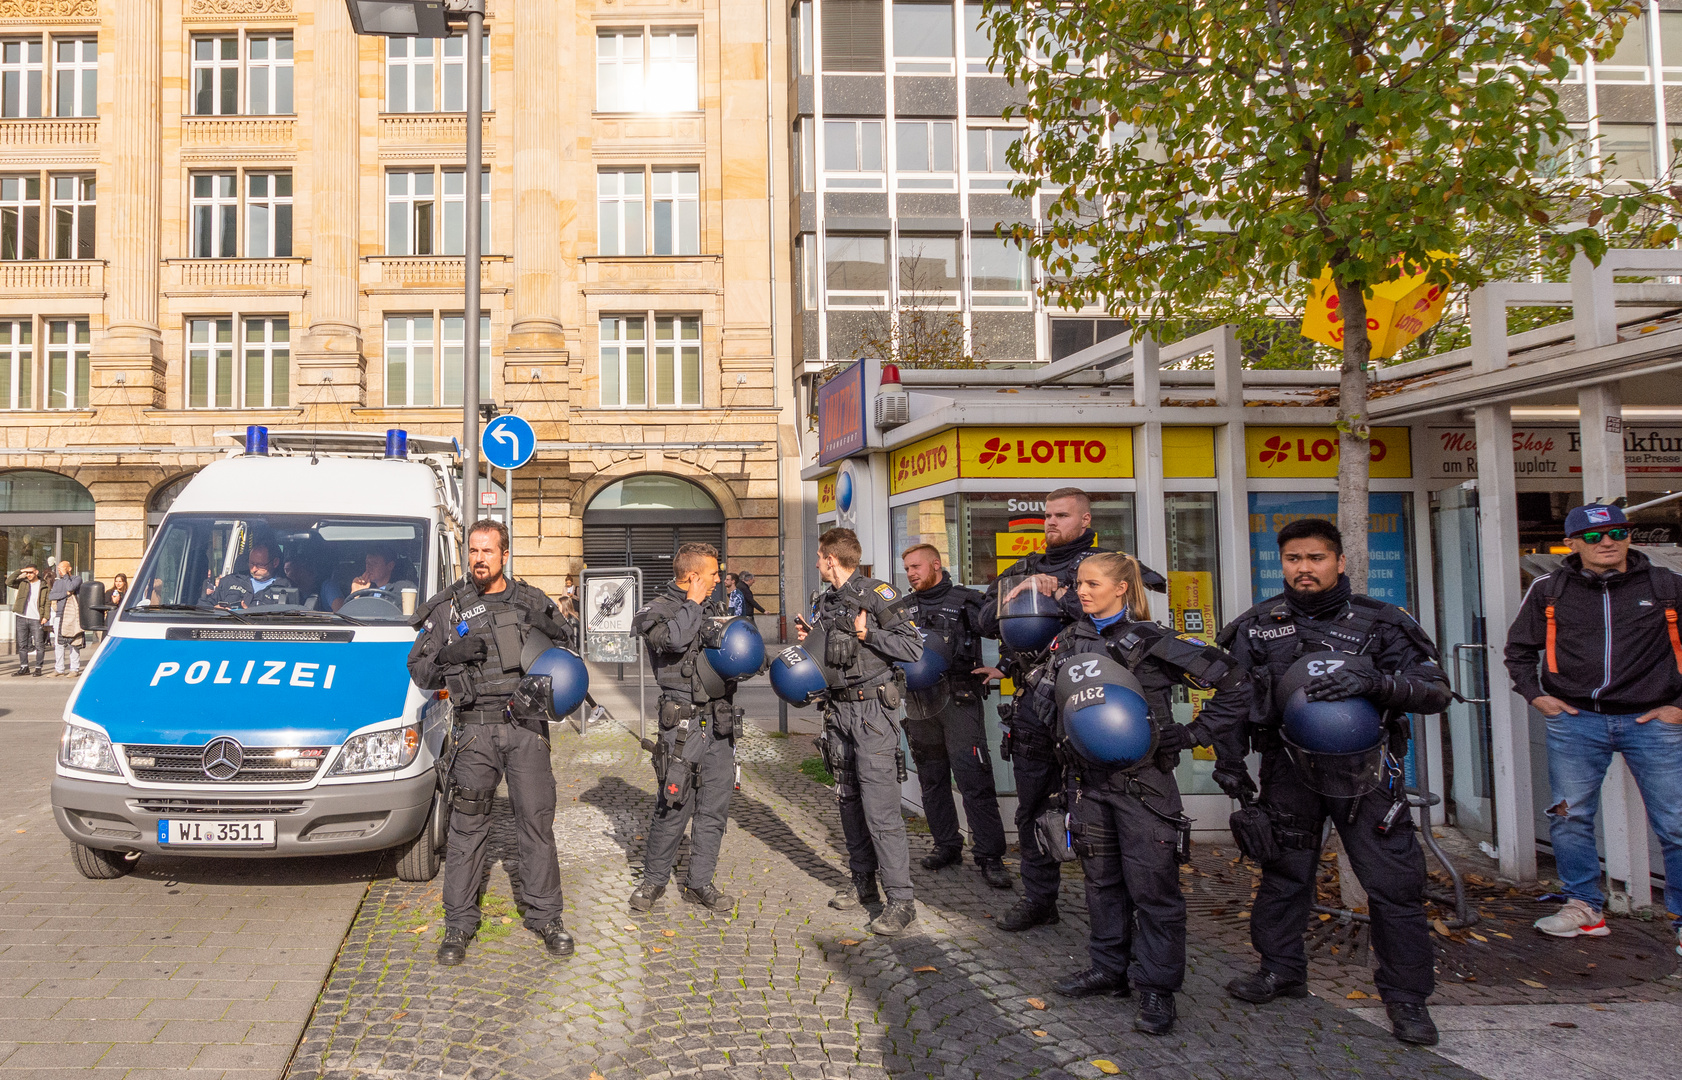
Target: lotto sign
(1191,599)
(1313,451)
(826,494)
(1018,545)
(1397,311)
(930,461)
(1046,452)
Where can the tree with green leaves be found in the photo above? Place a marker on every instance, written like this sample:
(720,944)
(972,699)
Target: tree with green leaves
(1220,153)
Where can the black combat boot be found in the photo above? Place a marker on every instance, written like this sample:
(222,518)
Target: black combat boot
(643,899)
(1411,1022)
(898,915)
(1026,915)
(556,939)
(1156,1013)
(709,897)
(942,858)
(993,872)
(453,949)
(1092,982)
(1264,986)
(861,891)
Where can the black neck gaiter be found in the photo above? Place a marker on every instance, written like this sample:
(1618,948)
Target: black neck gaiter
(1319,605)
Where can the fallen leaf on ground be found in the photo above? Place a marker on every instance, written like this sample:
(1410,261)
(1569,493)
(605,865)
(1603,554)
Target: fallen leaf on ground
(669,933)
(1509,937)
(658,949)
(1479,937)
(1243,914)
(1036,1003)
(1440,927)
(594,1075)
(1357,995)
(628,926)
(1561,1023)
(1533,983)
(849,941)
(20,830)
(419,930)
(1041,1034)
(1600,1008)
(506,920)
(924,968)
(1108,1068)
(401,1015)
(1325,918)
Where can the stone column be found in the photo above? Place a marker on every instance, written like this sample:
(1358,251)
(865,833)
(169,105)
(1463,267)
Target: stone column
(127,360)
(542,204)
(329,357)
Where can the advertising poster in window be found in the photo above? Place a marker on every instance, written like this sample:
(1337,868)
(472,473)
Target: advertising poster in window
(1387,540)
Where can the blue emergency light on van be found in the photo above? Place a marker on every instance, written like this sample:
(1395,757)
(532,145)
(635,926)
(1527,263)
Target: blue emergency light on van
(253,700)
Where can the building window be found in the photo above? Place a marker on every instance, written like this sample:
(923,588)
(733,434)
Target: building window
(1670,44)
(75,76)
(1070,336)
(215,216)
(619,212)
(210,364)
(17,364)
(998,273)
(455,359)
(1627,152)
(268,78)
(455,73)
(410,205)
(805,153)
(856,270)
(67,364)
(978,42)
(852,151)
(22,72)
(928,270)
(669,82)
(455,211)
(408,360)
(923,39)
(268,215)
(267,70)
(268,360)
(852,35)
(677,361)
(989,164)
(20,217)
(1630,61)
(806,251)
(417,82)
(677,212)
(624,360)
(73,213)
(924,155)
(803,35)
(216,75)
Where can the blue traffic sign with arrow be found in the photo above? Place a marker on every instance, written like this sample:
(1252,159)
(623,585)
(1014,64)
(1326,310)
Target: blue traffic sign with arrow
(508,442)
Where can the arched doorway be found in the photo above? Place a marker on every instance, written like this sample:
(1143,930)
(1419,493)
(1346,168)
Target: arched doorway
(640,521)
(44,517)
(162,499)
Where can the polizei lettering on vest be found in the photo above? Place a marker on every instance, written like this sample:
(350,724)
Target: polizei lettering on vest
(309,676)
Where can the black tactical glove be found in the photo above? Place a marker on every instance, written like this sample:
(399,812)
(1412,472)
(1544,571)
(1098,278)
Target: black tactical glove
(1234,779)
(1347,682)
(841,648)
(553,629)
(1174,739)
(463,650)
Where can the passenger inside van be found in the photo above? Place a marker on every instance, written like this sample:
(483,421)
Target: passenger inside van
(258,586)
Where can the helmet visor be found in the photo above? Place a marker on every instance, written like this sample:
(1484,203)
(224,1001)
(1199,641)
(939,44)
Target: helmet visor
(1339,776)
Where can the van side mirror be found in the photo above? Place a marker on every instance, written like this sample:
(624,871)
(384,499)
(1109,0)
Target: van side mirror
(93,605)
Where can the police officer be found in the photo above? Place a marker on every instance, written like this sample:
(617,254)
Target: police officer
(943,722)
(260,587)
(1397,672)
(694,755)
(473,638)
(1028,745)
(865,625)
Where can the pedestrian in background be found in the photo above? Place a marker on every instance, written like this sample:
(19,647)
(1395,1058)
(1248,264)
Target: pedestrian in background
(29,613)
(734,603)
(119,590)
(66,604)
(1596,650)
(744,585)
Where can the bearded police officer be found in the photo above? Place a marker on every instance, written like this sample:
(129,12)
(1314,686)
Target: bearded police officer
(861,626)
(478,638)
(943,721)
(1315,645)
(694,752)
(1037,597)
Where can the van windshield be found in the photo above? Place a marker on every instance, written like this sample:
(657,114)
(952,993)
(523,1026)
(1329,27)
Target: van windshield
(284,567)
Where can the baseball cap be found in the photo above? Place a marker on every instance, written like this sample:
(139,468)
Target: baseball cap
(1593,516)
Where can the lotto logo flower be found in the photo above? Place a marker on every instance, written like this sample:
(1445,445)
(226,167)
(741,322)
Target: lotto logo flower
(994,451)
(1274,450)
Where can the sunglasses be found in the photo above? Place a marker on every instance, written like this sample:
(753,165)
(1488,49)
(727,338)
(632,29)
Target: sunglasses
(1619,535)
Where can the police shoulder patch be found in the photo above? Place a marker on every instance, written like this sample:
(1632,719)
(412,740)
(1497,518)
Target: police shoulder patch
(887,592)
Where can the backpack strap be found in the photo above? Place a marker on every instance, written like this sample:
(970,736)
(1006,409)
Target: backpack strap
(1551,593)
(1664,591)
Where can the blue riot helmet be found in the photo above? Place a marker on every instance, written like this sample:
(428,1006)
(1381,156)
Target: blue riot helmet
(795,676)
(555,684)
(1104,712)
(1028,618)
(1337,747)
(734,648)
(926,671)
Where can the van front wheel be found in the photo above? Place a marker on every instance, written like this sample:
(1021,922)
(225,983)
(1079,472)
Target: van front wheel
(419,859)
(100,865)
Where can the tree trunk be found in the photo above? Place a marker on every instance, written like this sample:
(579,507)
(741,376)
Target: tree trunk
(1354,433)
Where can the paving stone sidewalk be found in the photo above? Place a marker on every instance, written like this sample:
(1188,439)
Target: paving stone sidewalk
(785,987)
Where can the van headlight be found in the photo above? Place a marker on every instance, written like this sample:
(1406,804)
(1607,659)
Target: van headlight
(378,751)
(86,749)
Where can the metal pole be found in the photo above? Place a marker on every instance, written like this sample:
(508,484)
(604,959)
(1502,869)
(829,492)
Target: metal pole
(472,211)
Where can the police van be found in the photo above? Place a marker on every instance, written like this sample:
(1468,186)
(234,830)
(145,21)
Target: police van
(252,697)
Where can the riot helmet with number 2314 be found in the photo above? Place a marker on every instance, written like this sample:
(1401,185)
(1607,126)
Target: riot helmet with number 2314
(1105,716)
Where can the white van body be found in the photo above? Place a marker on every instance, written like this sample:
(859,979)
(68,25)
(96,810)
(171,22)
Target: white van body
(269,731)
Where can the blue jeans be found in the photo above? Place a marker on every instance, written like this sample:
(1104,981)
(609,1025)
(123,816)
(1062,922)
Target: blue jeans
(1580,750)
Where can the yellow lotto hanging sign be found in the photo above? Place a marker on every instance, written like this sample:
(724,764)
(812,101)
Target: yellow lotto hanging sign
(1397,311)
(928,461)
(1313,451)
(1010,546)
(826,494)
(1056,453)
(1191,609)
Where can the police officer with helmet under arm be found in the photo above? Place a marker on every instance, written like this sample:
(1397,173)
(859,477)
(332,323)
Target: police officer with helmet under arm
(1332,676)
(478,638)
(1048,575)
(861,626)
(943,721)
(695,750)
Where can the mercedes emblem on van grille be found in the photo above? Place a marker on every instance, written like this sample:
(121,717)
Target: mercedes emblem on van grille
(222,758)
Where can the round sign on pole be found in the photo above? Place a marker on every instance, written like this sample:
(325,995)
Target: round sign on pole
(508,442)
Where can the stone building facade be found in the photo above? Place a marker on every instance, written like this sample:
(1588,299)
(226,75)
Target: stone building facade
(229,212)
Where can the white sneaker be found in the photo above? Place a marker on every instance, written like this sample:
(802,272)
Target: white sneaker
(1575,919)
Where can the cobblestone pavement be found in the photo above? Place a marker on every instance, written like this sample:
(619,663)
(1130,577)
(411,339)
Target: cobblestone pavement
(785,986)
(192,968)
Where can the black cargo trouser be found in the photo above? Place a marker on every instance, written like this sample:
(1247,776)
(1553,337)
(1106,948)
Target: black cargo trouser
(1038,778)
(1391,868)
(1133,896)
(487,753)
(708,808)
(952,745)
(870,801)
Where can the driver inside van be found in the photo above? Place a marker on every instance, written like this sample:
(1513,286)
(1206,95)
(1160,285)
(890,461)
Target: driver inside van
(259,587)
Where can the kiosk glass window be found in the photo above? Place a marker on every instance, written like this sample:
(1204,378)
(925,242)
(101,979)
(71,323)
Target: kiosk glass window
(1389,540)
(927,521)
(1003,528)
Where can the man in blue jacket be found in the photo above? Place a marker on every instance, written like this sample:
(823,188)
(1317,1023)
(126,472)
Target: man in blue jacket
(1596,649)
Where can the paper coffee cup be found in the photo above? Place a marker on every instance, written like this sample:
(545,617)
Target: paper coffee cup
(410,597)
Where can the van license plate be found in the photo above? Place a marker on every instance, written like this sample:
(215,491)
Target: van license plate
(211,832)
